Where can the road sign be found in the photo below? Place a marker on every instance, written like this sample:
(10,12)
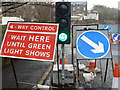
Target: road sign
(106,27)
(116,37)
(92,44)
(81,27)
(35,41)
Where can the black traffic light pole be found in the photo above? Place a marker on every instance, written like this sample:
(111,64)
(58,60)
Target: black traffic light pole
(63,17)
(63,64)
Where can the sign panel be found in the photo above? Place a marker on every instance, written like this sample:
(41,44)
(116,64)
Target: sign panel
(106,27)
(113,28)
(116,37)
(82,27)
(92,44)
(35,41)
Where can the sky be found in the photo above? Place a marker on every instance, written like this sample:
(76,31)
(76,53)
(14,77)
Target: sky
(91,3)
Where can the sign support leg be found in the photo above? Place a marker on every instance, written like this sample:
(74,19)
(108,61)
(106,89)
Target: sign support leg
(77,74)
(95,64)
(63,64)
(106,70)
(51,83)
(72,57)
(14,73)
(112,64)
(78,68)
(101,73)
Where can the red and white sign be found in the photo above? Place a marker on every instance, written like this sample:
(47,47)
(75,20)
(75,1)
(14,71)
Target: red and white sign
(35,41)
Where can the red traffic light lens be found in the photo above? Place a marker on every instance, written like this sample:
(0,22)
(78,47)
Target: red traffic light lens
(62,9)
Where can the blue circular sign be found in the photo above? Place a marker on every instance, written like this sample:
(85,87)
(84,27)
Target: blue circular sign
(92,44)
(116,37)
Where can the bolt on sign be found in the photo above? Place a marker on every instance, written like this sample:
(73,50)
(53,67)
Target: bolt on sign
(34,41)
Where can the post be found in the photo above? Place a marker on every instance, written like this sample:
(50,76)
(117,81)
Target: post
(106,70)
(63,64)
(112,64)
(58,66)
(14,73)
(101,73)
(51,84)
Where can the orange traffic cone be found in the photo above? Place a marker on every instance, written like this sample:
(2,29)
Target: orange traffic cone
(92,65)
(116,75)
(61,46)
(61,61)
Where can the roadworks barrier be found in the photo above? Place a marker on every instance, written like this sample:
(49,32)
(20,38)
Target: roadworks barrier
(116,77)
(88,77)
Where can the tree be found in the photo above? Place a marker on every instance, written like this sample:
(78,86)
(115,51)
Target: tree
(106,13)
(30,11)
(10,6)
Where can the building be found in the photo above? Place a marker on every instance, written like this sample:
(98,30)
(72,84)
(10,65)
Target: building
(78,8)
(94,15)
(6,19)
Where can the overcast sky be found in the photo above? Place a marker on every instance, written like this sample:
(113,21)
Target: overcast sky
(91,3)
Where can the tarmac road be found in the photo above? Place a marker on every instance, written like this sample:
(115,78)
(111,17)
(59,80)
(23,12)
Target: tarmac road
(29,72)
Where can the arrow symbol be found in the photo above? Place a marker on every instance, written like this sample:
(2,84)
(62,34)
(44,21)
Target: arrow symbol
(97,48)
(106,27)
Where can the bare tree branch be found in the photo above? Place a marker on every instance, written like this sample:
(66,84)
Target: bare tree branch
(8,3)
(13,7)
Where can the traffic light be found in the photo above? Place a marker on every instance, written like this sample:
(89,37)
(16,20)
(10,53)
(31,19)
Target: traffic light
(63,17)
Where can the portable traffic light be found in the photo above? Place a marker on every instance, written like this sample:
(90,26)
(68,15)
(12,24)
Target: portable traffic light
(63,17)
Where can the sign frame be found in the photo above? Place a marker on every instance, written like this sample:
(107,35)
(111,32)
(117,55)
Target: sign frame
(20,57)
(109,53)
(81,28)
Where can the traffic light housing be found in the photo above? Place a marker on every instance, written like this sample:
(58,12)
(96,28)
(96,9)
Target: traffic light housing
(63,17)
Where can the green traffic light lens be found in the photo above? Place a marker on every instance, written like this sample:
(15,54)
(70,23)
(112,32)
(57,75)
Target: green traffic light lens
(63,37)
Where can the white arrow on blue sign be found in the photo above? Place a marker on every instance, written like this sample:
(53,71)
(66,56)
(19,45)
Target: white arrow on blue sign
(106,27)
(92,44)
(116,37)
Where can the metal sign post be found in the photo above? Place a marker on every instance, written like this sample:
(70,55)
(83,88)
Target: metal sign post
(14,73)
(58,66)
(63,64)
